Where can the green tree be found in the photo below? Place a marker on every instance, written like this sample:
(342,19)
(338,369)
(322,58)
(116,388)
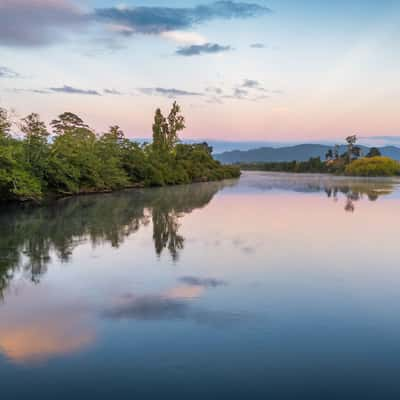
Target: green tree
(373,152)
(176,123)
(165,130)
(5,124)
(109,150)
(36,144)
(74,165)
(67,122)
(159,131)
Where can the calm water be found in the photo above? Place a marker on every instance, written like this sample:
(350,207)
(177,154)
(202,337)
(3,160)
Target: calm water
(274,285)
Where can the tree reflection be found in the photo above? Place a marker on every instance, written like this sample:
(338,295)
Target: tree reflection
(355,191)
(30,236)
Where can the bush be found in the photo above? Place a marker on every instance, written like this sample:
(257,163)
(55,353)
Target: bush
(374,166)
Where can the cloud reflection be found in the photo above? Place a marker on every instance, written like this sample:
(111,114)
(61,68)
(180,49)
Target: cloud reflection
(205,282)
(25,339)
(175,304)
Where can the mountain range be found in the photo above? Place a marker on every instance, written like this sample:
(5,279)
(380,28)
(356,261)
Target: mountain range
(300,152)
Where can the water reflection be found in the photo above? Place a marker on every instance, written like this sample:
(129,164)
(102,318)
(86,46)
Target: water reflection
(174,304)
(30,236)
(271,278)
(353,189)
(28,337)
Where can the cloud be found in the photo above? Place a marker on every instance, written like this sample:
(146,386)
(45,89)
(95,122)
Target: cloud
(240,93)
(72,90)
(170,93)
(36,91)
(203,282)
(248,90)
(113,92)
(42,22)
(184,37)
(258,46)
(207,48)
(156,20)
(39,22)
(8,73)
(214,90)
(249,83)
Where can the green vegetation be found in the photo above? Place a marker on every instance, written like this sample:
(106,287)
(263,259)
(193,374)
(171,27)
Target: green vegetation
(373,166)
(373,152)
(350,162)
(313,165)
(74,159)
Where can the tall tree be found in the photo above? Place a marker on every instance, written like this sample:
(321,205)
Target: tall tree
(5,124)
(159,124)
(353,151)
(165,130)
(336,154)
(36,137)
(176,123)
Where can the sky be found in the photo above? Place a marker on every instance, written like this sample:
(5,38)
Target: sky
(256,70)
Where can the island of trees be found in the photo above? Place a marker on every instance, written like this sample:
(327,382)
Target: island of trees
(73,159)
(352,163)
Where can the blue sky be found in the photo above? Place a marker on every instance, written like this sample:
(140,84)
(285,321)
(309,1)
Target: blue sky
(243,70)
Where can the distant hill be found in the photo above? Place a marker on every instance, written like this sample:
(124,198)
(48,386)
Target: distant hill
(300,152)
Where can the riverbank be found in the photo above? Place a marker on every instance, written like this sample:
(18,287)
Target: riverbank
(228,173)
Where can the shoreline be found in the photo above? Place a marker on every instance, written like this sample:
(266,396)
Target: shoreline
(54,197)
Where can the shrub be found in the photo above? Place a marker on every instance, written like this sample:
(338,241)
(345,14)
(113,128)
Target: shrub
(374,166)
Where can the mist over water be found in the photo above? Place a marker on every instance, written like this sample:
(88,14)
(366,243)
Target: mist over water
(273,285)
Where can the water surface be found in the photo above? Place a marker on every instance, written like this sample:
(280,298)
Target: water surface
(274,285)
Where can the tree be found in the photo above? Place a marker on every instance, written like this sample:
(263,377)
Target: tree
(336,154)
(176,123)
(5,124)
(165,131)
(109,150)
(352,150)
(74,164)
(374,152)
(67,122)
(36,143)
(329,155)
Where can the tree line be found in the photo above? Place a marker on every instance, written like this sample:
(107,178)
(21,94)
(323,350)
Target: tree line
(71,158)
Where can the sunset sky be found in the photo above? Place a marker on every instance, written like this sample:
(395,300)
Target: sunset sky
(269,70)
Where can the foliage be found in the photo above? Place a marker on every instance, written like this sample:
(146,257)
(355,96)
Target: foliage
(77,160)
(373,166)
(165,130)
(374,152)
(313,165)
